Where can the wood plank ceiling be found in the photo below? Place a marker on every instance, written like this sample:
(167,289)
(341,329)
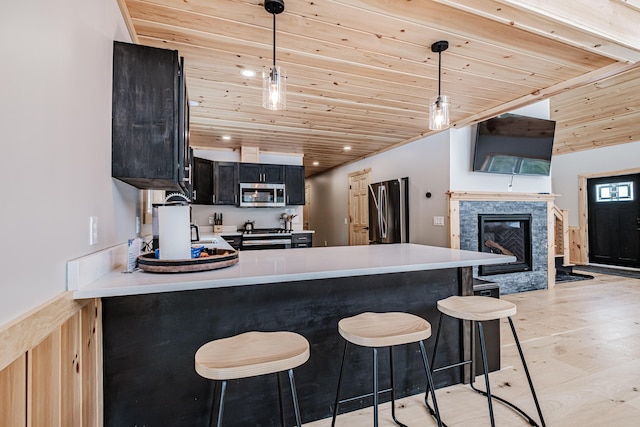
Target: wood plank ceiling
(360,72)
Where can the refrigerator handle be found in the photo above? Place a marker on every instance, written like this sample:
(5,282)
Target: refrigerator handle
(383,211)
(373,195)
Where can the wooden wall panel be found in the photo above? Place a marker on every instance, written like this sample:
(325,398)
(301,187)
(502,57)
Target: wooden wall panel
(71,380)
(43,382)
(578,254)
(51,371)
(13,393)
(91,370)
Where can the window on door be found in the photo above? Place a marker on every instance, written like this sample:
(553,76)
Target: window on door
(614,192)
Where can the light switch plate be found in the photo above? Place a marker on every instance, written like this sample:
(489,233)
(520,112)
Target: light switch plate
(438,220)
(93,230)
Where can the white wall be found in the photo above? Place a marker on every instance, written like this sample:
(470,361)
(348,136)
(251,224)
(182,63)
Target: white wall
(425,162)
(437,164)
(55,115)
(462,177)
(567,167)
(263,217)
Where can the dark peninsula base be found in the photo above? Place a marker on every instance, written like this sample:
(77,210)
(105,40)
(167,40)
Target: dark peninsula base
(150,342)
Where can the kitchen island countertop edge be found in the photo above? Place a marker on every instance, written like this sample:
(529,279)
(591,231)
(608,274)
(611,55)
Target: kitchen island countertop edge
(286,265)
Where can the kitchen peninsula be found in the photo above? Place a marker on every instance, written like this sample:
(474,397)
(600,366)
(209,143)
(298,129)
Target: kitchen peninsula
(154,323)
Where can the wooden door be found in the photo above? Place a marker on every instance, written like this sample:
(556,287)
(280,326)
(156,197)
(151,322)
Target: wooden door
(359,207)
(614,220)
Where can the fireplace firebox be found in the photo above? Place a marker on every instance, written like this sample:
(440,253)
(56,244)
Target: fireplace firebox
(507,234)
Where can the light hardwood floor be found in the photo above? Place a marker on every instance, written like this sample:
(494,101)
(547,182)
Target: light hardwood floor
(582,345)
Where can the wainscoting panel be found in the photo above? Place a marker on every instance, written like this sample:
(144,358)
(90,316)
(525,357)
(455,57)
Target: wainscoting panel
(52,366)
(13,393)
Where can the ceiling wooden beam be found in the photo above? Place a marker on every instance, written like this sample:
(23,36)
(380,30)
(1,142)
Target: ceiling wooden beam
(607,27)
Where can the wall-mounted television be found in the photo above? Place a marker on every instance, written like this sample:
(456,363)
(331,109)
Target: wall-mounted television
(515,145)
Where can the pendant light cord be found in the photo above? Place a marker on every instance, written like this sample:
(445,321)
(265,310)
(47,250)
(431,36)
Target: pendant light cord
(274,41)
(439,70)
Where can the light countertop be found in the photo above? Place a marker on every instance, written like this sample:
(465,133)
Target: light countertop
(285,265)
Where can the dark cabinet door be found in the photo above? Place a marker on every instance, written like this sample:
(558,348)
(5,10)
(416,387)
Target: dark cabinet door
(149,118)
(261,172)
(294,185)
(302,240)
(250,172)
(202,182)
(273,174)
(225,183)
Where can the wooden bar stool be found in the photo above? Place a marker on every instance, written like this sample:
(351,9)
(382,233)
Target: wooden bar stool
(248,355)
(479,309)
(377,330)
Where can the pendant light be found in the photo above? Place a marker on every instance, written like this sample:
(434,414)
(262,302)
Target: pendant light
(274,83)
(439,107)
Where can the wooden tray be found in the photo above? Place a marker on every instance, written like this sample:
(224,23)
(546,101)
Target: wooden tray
(218,258)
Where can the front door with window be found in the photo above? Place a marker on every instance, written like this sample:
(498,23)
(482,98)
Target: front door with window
(614,220)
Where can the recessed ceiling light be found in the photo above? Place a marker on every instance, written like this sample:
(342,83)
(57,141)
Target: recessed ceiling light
(315,163)
(226,137)
(248,73)
(347,148)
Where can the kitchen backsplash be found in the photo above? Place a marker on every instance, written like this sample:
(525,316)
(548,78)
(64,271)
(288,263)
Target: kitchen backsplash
(263,217)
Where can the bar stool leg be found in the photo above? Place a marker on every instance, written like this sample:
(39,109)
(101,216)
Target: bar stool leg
(375,387)
(486,371)
(223,389)
(335,405)
(294,394)
(526,370)
(430,386)
(280,400)
(393,390)
(435,344)
(433,362)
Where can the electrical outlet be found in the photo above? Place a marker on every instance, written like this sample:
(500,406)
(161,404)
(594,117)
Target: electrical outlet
(438,220)
(93,230)
(210,220)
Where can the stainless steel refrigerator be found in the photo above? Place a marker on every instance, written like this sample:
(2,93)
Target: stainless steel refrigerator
(389,211)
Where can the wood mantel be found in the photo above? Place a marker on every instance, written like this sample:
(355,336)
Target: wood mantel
(455,197)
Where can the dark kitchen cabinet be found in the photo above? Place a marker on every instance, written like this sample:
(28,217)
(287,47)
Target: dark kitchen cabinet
(150,118)
(235,241)
(225,183)
(202,193)
(294,184)
(301,240)
(261,172)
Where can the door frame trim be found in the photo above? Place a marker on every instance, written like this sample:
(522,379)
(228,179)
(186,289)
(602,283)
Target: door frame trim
(583,204)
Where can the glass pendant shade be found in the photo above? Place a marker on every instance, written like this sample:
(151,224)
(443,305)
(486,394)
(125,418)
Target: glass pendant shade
(274,89)
(439,113)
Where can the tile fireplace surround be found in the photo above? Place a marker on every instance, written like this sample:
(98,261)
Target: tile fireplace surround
(464,208)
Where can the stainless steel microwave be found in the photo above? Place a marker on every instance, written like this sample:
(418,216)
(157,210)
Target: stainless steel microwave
(258,195)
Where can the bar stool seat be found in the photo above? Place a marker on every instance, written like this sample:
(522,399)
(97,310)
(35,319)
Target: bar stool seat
(476,308)
(479,309)
(376,330)
(384,329)
(248,355)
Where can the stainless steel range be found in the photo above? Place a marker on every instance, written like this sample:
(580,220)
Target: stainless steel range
(265,238)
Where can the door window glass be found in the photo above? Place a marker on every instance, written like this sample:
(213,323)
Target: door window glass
(614,192)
